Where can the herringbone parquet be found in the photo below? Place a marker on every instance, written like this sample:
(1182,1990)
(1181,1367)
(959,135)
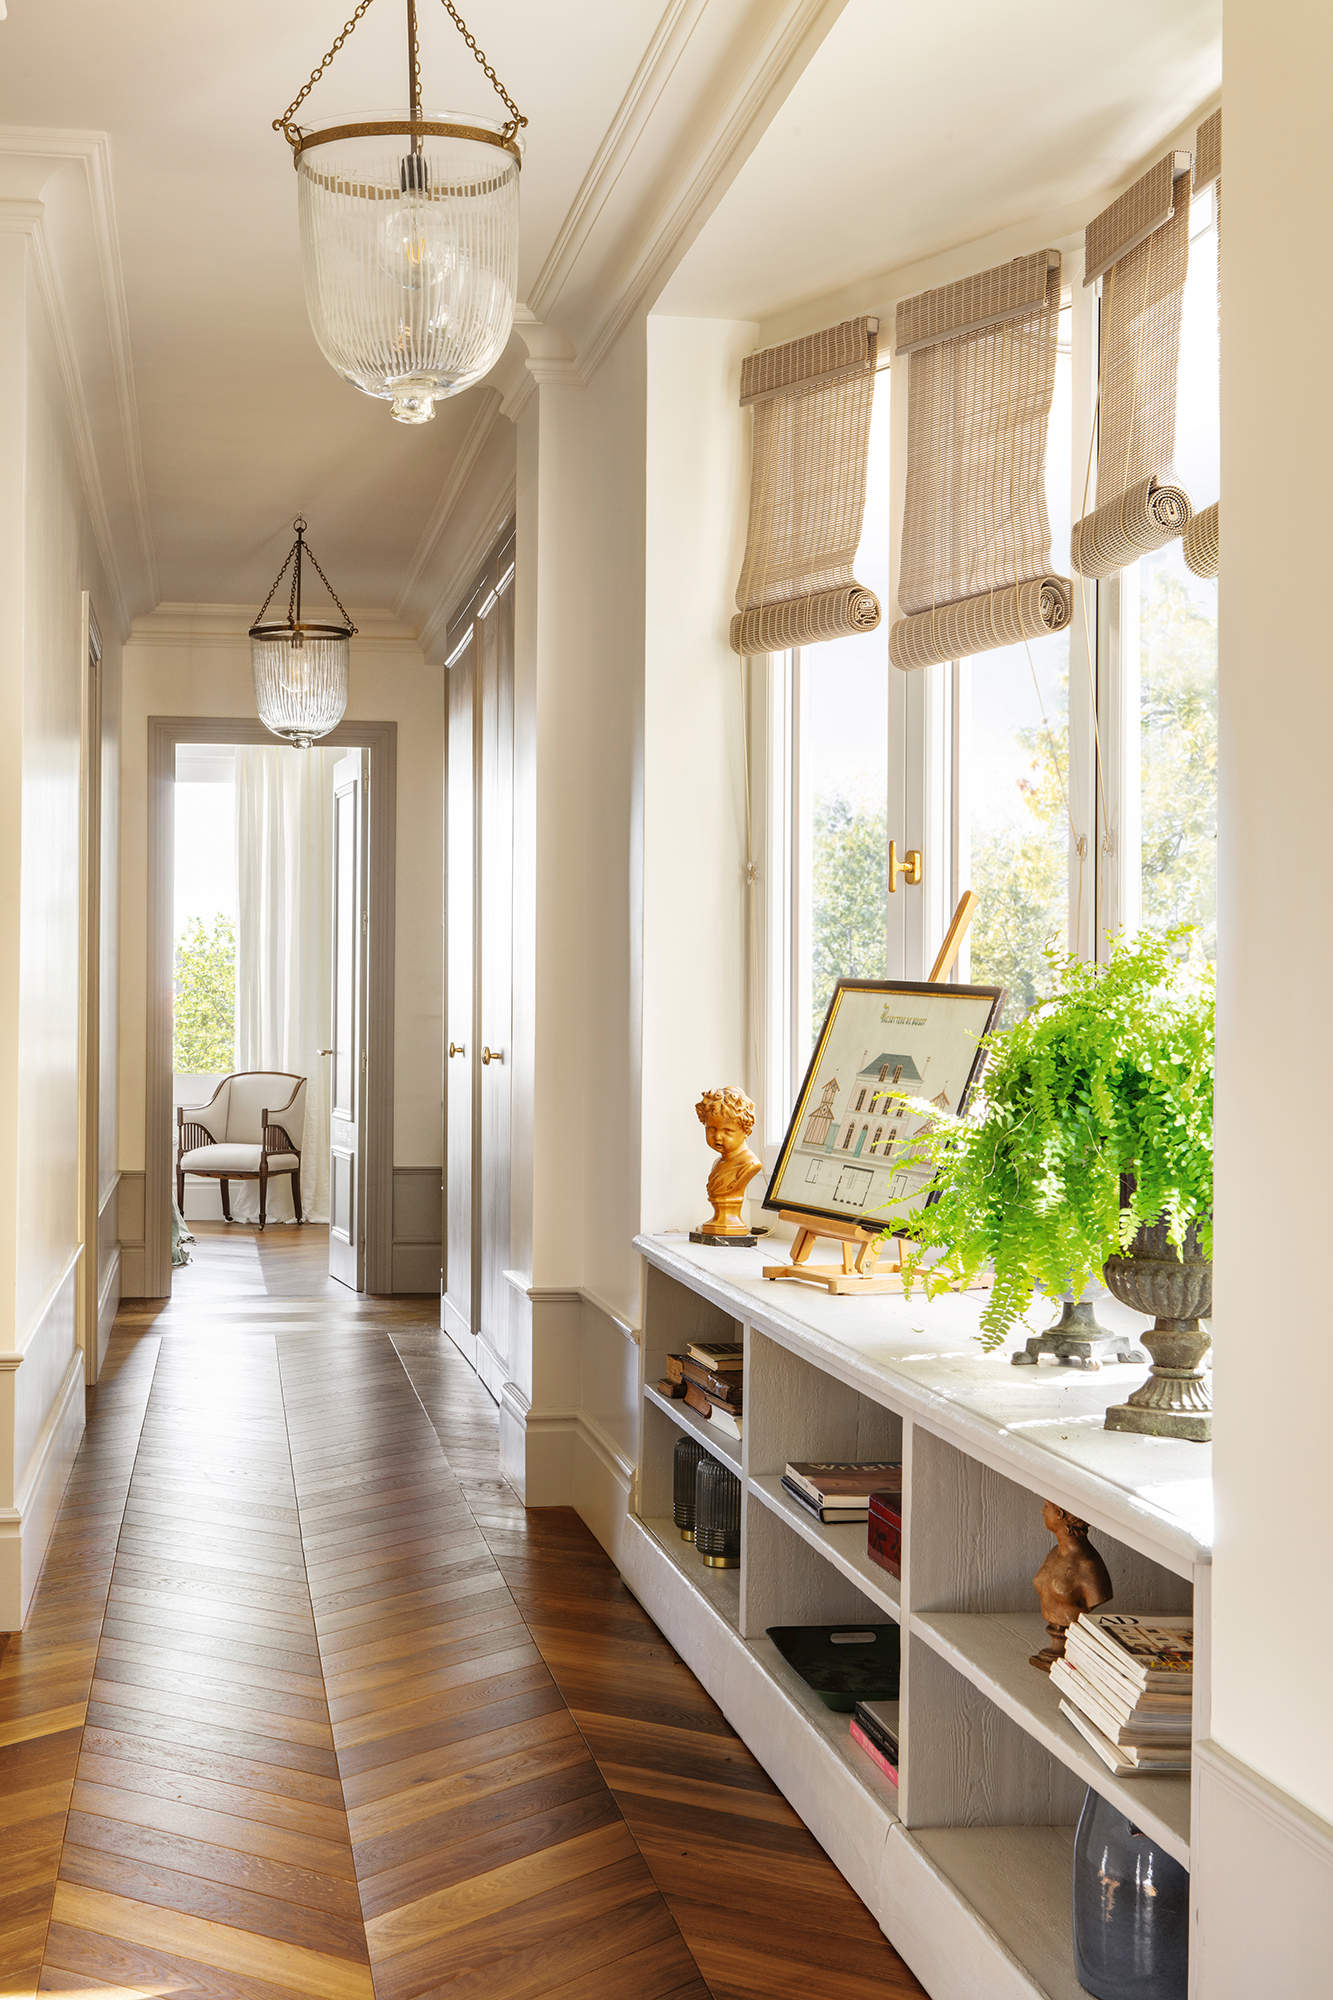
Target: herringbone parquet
(310,1706)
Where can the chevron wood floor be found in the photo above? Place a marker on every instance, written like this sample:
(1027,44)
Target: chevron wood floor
(308,1705)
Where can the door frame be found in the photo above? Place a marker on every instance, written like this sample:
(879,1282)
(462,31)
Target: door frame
(90,995)
(380,741)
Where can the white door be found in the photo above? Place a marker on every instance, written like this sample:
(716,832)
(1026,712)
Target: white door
(495,712)
(458,1314)
(347,1181)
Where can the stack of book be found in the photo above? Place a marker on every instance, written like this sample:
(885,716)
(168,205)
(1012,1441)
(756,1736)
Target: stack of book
(838,1490)
(708,1377)
(875,1730)
(1126,1683)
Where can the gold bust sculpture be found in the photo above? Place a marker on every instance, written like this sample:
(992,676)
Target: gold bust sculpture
(727,1117)
(1073,1578)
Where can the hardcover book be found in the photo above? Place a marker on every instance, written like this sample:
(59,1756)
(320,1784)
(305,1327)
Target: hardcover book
(829,1479)
(724,1357)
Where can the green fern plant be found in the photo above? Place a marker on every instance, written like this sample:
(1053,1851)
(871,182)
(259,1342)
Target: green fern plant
(1095,1115)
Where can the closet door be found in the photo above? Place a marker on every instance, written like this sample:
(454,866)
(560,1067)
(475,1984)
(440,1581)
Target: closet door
(495,714)
(458,1307)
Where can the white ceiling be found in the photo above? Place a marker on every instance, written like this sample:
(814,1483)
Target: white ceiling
(918,127)
(243,423)
(912,128)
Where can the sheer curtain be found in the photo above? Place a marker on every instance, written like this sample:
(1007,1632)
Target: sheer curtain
(284,947)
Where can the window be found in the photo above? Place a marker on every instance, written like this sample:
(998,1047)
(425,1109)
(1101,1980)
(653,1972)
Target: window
(1071,782)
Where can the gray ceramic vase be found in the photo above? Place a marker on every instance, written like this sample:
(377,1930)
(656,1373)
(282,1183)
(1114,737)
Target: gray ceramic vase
(1176,1287)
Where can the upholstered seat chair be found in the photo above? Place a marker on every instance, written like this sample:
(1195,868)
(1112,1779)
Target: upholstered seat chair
(250,1129)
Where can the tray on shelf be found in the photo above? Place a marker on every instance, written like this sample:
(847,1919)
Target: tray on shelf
(842,1664)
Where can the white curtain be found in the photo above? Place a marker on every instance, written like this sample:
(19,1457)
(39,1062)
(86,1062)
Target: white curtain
(284,948)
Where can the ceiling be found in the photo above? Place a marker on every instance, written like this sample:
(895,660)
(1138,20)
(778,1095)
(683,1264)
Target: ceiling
(837,138)
(916,128)
(242,422)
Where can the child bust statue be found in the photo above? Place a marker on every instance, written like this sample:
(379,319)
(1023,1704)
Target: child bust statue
(727,1117)
(1073,1578)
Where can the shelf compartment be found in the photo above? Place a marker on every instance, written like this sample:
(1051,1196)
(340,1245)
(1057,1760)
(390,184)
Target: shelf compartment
(833,1727)
(992,1650)
(688,1420)
(797,1410)
(721,1588)
(844,1547)
(1018,1881)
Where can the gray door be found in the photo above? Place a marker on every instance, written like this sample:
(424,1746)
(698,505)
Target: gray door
(458,1307)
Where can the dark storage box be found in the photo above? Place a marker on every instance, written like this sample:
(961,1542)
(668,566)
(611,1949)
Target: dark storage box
(884,1536)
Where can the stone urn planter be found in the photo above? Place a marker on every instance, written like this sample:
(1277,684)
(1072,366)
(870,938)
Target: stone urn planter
(1176,1287)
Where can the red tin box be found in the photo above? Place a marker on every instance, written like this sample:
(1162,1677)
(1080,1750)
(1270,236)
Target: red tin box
(884,1543)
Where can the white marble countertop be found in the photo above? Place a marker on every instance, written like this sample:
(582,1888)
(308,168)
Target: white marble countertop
(1042,1426)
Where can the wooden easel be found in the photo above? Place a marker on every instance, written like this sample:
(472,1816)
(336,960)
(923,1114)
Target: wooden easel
(860,1244)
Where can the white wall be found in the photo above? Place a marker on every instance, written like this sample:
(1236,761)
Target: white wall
(1273,1619)
(186,661)
(48,557)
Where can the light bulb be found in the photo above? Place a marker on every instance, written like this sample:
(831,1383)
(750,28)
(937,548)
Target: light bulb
(406,253)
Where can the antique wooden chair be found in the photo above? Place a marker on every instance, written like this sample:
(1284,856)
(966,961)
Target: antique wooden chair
(236,1137)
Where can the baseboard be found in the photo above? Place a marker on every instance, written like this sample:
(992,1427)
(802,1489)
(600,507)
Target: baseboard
(25,1529)
(458,1330)
(108,1298)
(1262,1867)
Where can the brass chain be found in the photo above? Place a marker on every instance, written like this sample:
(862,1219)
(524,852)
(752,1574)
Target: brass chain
(329,587)
(284,124)
(516,118)
(274,585)
(511,130)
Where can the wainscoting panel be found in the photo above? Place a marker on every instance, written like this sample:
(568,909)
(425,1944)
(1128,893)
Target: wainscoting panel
(41,1422)
(129,1222)
(108,1266)
(418,1254)
(1264,1869)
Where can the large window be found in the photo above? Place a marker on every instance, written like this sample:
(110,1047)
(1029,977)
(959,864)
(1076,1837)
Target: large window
(1070,782)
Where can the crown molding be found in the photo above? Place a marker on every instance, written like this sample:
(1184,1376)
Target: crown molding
(491,511)
(68,173)
(650,80)
(218,626)
(489,401)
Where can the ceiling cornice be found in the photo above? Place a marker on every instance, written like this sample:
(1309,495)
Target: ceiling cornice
(490,507)
(96,356)
(489,399)
(697,105)
(209,626)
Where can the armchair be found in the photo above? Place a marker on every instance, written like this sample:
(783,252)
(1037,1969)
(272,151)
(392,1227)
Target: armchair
(237,1137)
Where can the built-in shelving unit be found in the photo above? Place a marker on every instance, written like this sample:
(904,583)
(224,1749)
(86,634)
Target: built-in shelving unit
(967,1861)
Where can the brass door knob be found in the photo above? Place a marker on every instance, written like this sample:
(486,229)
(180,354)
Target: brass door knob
(457,1049)
(910,867)
(492,1055)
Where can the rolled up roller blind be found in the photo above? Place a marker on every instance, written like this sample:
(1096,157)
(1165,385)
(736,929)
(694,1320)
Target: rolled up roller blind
(1139,246)
(811,401)
(976,546)
(1203,536)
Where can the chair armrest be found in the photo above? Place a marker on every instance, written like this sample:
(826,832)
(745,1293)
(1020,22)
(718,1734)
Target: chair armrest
(189,1133)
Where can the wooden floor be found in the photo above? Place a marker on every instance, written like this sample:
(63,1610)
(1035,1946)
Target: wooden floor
(308,1705)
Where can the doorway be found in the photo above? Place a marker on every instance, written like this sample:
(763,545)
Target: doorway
(270,946)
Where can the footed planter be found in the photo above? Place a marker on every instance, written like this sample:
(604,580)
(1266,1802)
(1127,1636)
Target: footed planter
(1177,1287)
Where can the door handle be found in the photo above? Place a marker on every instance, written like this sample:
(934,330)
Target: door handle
(457,1049)
(323,1052)
(492,1055)
(909,867)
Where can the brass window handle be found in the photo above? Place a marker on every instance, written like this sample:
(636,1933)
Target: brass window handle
(492,1055)
(457,1049)
(910,867)
(323,1052)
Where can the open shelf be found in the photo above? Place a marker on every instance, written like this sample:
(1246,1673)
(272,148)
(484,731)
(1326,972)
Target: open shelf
(710,1437)
(844,1547)
(1018,1880)
(992,1651)
(834,1727)
(721,1587)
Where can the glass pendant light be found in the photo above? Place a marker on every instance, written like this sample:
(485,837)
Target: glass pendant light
(300,667)
(409,238)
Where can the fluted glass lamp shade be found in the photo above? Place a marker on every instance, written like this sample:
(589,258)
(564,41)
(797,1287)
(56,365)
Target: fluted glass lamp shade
(409,245)
(300,665)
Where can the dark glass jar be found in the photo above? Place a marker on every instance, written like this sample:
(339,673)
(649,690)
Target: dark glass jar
(685,1463)
(717,1515)
(1131,1910)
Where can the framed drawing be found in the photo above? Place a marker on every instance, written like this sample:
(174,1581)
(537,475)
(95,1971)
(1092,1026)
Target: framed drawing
(850,1134)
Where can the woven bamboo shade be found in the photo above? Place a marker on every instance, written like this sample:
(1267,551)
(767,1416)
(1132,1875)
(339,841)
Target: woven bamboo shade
(811,401)
(1203,536)
(976,548)
(1139,246)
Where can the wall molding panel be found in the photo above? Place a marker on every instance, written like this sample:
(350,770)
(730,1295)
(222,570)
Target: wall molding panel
(41,1421)
(1264,1866)
(418,1241)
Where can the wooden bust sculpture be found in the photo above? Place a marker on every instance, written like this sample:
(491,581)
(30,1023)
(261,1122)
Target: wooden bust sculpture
(1073,1578)
(727,1117)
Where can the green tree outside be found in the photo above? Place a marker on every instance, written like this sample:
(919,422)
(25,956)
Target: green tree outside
(204,1012)
(1019,869)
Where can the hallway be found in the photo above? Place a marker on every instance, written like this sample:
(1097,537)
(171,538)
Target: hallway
(309,1705)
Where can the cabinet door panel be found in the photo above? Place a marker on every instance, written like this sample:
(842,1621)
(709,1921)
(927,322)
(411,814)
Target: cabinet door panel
(460,1068)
